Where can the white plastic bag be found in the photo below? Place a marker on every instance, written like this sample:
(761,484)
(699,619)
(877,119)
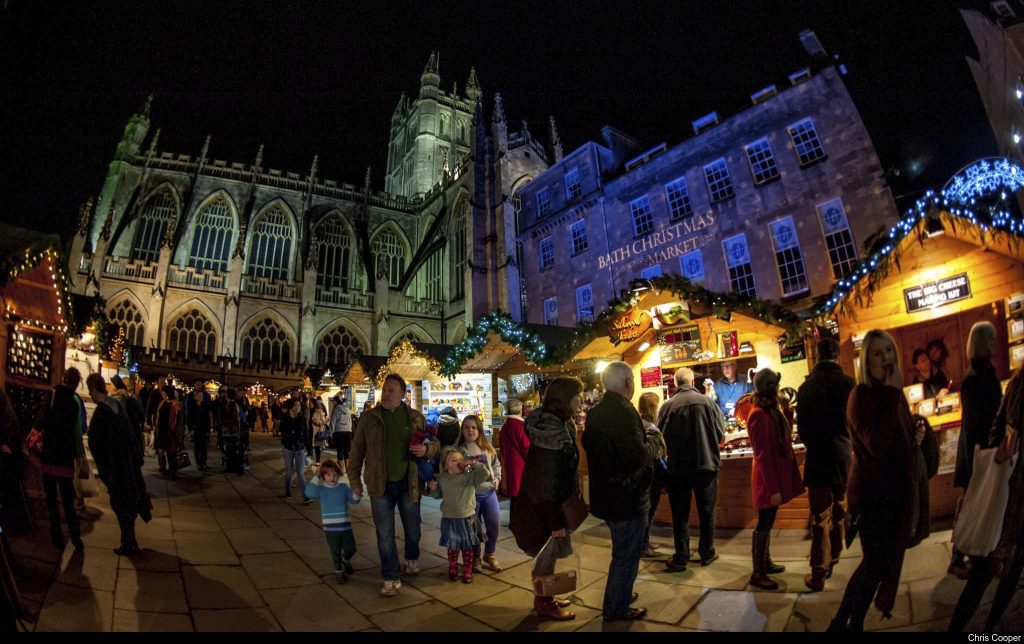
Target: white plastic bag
(980,523)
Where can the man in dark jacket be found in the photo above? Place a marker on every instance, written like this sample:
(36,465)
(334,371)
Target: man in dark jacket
(115,448)
(821,405)
(693,426)
(621,462)
(62,425)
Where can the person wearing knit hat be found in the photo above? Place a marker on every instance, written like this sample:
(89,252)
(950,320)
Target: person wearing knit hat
(448,426)
(775,477)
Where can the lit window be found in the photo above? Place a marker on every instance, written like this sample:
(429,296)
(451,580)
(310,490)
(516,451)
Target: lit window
(573,189)
(842,251)
(643,218)
(551,311)
(719,182)
(211,239)
(806,141)
(651,272)
(543,202)
(334,256)
(678,199)
(762,162)
(271,251)
(691,265)
(152,226)
(432,279)
(192,334)
(126,316)
(459,233)
(578,236)
(584,303)
(389,251)
(266,341)
(792,273)
(547,253)
(737,259)
(338,347)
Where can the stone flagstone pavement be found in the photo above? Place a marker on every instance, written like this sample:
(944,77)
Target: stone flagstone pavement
(228,553)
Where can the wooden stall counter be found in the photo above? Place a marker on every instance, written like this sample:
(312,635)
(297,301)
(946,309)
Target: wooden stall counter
(735,510)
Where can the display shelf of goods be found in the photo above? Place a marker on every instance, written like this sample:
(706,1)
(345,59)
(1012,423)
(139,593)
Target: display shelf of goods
(29,355)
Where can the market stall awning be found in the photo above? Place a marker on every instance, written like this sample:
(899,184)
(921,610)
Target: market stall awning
(361,370)
(496,343)
(712,313)
(413,361)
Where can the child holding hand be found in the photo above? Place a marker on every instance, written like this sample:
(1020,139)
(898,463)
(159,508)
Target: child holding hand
(460,529)
(334,498)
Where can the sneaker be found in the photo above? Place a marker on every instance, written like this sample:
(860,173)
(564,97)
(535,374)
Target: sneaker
(412,567)
(390,587)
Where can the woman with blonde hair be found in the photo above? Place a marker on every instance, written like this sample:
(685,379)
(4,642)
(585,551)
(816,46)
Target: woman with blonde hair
(648,408)
(980,395)
(474,446)
(882,480)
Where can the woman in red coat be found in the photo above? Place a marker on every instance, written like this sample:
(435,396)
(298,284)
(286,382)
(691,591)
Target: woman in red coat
(881,483)
(514,445)
(775,477)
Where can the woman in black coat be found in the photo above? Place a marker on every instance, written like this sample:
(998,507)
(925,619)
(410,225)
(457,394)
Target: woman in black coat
(550,476)
(62,427)
(115,448)
(980,395)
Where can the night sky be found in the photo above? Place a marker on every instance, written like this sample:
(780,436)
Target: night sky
(311,78)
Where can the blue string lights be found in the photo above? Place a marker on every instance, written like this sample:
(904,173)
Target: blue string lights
(960,199)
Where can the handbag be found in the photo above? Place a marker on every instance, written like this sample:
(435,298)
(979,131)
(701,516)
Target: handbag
(575,509)
(34,442)
(980,523)
(182,460)
(86,488)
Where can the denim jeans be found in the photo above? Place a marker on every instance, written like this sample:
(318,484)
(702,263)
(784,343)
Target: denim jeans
(396,494)
(294,459)
(627,544)
(488,511)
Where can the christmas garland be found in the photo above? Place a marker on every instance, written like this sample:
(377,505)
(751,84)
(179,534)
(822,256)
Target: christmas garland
(956,207)
(535,349)
(399,351)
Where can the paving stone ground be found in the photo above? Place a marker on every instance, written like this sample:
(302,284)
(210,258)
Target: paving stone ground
(227,553)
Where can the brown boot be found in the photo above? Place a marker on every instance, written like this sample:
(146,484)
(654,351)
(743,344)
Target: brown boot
(759,552)
(546,607)
(815,581)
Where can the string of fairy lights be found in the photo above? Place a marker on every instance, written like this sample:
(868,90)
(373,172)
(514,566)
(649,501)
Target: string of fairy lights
(58,278)
(958,200)
(535,349)
(400,351)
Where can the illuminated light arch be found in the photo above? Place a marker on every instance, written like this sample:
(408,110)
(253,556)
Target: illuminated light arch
(982,178)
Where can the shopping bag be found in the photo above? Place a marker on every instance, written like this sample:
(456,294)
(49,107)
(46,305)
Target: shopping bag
(980,523)
(556,568)
(86,488)
(575,509)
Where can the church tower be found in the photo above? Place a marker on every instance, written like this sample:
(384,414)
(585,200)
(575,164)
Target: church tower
(430,135)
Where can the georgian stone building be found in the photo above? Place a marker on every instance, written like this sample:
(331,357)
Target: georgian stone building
(774,201)
(216,266)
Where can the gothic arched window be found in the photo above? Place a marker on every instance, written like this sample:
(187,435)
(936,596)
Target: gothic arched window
(458,254)
(388,246)
(128,317)
(271,250)
(334,256)
(152,226)
(192,334)
(266,341)
(411,336)
(211,239)
(338,346)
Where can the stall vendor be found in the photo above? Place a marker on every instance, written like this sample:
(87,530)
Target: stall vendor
(730,388)
(926,373)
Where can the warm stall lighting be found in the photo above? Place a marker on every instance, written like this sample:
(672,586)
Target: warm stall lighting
(645,346)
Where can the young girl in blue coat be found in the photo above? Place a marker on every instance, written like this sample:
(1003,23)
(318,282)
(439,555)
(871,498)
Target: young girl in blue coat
(334,499)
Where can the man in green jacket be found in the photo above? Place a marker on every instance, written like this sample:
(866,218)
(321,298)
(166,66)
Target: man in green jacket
(381,442)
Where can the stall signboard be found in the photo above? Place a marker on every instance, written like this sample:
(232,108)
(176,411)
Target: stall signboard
(630,325)
(792,352)
(938,293)
(681,345)
(650,377)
